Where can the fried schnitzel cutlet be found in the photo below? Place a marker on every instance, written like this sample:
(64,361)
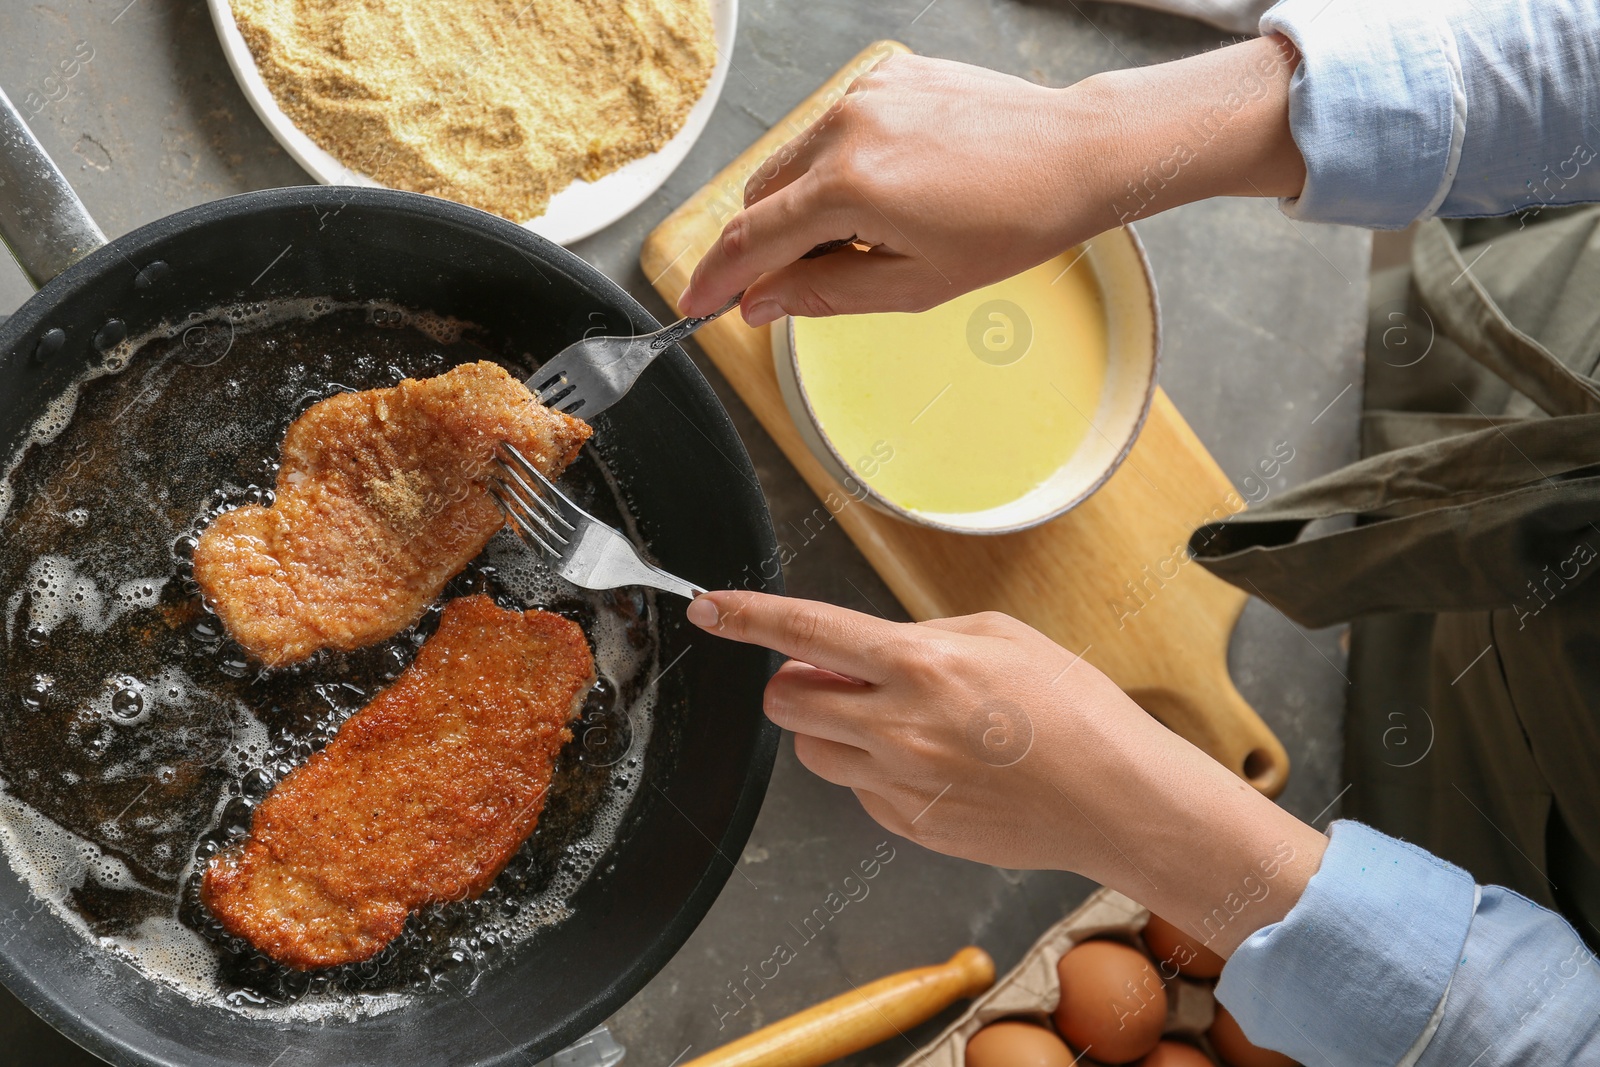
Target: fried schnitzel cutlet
(424,795)
(380,500)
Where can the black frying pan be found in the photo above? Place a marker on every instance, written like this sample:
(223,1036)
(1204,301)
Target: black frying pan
(691,489)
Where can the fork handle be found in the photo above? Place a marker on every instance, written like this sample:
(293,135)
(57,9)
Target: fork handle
(670,583)
(671,335)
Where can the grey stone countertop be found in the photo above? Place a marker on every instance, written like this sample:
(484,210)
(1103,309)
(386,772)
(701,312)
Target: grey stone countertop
(1263,318)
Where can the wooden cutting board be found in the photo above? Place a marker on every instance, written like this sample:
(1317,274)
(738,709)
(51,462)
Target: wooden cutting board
(1110,580)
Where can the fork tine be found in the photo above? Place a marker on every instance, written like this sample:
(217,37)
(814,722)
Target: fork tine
(520,524)
(550,378)
(561,390)
(544,481)
(523,466)
(601,557)
(522,498)
(533,500)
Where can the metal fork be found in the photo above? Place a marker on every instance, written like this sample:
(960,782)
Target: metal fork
(590,375)
(587,552)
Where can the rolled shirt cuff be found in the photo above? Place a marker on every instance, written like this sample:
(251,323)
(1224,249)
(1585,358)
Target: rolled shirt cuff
(1377,108)
(1355,971)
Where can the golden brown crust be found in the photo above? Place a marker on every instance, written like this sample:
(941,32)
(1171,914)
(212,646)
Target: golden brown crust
(380,501)
(423,796)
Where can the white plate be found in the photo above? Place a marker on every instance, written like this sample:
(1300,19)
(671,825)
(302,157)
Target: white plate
(574,213)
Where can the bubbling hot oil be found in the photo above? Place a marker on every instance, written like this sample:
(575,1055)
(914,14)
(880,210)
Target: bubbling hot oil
(136,739)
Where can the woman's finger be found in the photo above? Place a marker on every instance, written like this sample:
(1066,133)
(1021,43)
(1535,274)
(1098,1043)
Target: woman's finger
(885,813)
(790,161)
(808,700)
(798,668)
(833,762)
(845,283)
(771,233)
(836,639)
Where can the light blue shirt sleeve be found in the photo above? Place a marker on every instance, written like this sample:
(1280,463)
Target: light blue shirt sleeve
(1409,108)
(1393,957)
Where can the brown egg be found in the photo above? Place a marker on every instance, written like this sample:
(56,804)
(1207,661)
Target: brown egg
(1113,1004)
(1173,948)
(1236,1049)
(1016,1044)
(1175,1054)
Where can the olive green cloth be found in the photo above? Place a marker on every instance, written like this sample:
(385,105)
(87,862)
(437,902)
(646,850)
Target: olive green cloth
(1473,724)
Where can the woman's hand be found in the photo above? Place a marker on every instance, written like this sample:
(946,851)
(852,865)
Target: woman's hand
(956,175)
(981,738)
(959,176)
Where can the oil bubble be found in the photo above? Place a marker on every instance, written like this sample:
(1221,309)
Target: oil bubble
(127,698)
(37,691)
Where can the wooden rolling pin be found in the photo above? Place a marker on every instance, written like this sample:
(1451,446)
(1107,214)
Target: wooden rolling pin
(860,1018)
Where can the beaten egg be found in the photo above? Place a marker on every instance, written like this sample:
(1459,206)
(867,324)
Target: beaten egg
(970,405)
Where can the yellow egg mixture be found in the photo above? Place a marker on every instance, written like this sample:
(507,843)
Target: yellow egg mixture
(971,404)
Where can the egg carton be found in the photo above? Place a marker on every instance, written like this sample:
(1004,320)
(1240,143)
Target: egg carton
(1031,990)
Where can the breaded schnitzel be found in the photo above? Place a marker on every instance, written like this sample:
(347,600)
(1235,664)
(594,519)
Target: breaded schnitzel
(380,500)
(423,796)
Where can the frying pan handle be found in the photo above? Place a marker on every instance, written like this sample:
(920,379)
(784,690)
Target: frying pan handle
(42,220)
